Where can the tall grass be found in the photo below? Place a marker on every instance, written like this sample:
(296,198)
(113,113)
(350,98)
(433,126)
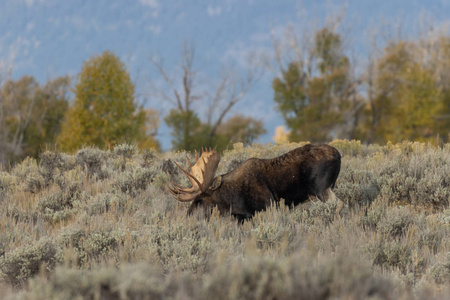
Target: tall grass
(102,225)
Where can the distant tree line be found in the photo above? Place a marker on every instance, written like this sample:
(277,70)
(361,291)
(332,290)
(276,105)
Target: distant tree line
(104,112)
(403,93)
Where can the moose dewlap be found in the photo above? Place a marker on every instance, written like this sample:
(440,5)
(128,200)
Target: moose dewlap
(311,170)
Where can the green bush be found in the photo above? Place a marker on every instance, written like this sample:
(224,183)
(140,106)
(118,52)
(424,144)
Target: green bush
(419,179)
(396,221)
(440,272)
(6,180)
(134,181)
(29,175)
(50,165)
(373,215)
(91,160)
(390,253)
(26,262)
(91,247)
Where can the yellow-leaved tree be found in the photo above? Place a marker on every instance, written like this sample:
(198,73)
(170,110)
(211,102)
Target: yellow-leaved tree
(105,111)
(406,100)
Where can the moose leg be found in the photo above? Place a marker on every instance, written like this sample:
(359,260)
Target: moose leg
(328,194)
(339,207)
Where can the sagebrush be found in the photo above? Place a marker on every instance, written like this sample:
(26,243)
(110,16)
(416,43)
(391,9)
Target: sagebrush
(103,224)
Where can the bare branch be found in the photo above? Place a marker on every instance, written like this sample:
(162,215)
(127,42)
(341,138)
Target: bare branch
(216,98)
(182,98)
(234,94)
(169,81)
(188,75)
(228,91)
(277,49)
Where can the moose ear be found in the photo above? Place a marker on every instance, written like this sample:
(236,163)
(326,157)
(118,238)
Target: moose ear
(216,183)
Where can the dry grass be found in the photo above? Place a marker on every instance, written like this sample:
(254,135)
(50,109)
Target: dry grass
(101,225)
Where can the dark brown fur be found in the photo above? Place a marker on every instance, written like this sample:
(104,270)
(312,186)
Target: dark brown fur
(307,171)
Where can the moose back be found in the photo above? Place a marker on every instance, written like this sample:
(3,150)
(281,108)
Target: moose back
(311,170)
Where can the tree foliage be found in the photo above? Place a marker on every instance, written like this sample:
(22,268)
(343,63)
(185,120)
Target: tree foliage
(105,111)
(188,132)
(441,67)
(239,129)
(407,99)
(314,94)
(30,115)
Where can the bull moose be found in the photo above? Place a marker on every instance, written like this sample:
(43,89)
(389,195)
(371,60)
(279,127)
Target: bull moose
(306,171)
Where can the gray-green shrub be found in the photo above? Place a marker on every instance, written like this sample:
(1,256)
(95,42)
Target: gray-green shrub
(23,263)
(115,230)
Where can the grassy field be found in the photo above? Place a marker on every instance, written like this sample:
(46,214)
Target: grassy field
(102,225)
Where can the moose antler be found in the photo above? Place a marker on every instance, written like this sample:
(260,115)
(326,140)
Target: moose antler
(201,175)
